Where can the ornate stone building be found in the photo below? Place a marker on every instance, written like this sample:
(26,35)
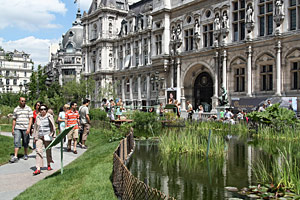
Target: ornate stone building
(66,63)
(192,48)
(15,71)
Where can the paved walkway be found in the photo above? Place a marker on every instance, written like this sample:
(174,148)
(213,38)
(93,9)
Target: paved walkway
(17,177)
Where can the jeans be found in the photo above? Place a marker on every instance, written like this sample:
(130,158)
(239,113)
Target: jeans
(17,138)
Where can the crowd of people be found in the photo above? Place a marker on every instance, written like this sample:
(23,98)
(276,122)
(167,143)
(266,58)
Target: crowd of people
(40,124)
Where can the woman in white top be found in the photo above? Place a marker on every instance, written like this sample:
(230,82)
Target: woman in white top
(43,132)
(200,111)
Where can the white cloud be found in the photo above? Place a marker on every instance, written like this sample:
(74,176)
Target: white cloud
(37,48)
(30,14)
(85,4)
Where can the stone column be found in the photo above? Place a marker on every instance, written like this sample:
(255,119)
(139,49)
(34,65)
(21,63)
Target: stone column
(60,77)
(215,100)
(140,51)
(224,69)
(148,89)
(172,73)
(178,89)
(166,35)
(183,102)
(149,48)
(130,89)
(123,89)
(278,68)
(249,71)
(132,63)
(139,91)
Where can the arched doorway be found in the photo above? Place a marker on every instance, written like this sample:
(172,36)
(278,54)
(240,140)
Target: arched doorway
(203,91)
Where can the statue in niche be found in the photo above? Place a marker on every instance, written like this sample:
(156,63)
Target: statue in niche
(250,15)
(279,8)
(223,99)
(225,21)
(197,34)
(140,24)
(217,24)
(173,36)
(178,33)
(149,21)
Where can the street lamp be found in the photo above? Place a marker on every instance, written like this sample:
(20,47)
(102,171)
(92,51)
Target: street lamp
(155,80)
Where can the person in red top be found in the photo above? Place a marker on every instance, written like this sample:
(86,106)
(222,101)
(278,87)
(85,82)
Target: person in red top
(35,113)
(72,118)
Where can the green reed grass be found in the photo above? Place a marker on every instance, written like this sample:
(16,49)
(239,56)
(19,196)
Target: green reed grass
(283,171)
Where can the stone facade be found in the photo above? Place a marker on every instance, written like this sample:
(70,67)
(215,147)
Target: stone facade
(192,48)
(66,64)
(15,71)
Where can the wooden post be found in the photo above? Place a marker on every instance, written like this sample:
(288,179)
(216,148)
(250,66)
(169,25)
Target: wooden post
(125,148)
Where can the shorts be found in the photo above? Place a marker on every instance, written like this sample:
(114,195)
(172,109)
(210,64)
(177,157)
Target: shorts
(86,131)
(17,138)
(73,134)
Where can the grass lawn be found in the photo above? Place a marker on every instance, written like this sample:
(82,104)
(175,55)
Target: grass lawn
(5,127)
(7,149)
(88,177)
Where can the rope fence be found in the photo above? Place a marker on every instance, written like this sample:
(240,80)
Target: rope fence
(127,186)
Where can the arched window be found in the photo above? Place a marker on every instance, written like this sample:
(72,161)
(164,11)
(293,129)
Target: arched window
(110,27)
(69,48)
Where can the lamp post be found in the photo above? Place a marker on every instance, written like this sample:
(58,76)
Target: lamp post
(155,80)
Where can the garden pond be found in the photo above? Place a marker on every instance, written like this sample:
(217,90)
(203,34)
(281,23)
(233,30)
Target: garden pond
(187,176)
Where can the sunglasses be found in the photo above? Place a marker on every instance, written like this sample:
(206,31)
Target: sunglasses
(43,109)
(23,101)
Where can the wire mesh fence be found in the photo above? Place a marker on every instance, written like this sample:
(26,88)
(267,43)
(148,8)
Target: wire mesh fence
(127,186)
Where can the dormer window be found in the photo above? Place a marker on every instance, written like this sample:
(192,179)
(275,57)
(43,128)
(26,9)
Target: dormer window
(70,48)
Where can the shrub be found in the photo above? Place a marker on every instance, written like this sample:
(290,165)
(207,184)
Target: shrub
(97,114)
(146,122)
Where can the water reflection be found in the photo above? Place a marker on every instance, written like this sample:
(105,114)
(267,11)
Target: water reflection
(192,177)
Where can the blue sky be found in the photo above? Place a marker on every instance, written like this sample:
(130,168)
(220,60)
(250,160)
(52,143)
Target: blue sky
(33,25)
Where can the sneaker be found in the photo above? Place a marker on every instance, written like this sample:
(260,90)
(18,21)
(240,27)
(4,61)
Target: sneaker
(25,157)
(75,152)
(13,159)
(84,147)
(36,172)
(49,168)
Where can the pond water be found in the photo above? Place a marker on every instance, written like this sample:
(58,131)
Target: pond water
(192,177)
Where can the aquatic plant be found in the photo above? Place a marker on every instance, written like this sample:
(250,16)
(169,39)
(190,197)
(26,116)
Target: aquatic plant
(283,172)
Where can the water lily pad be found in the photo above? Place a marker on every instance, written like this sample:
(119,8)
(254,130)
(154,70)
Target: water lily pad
(231,189)
(253,196)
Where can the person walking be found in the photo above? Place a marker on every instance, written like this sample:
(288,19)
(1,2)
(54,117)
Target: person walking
(43,132)
(72,119)
(201,110)
(35,114)
(190,110)
(21,125)
(62,117)
(85,122)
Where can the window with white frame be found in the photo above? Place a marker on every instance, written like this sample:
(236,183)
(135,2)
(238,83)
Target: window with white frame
(265,17)
(239,79)
(158,44)
(189,39)
(135,85)
(94,32)
(294,14)
(208,37)
(144,84)
(295,75)
(238,20)
(266,77)
(15,82)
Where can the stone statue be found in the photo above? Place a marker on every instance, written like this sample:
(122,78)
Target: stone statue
(178,33)
(223,99)
(197,34)
(250,15)
(140,24)
(149,21)
(279,8)
(225,21)
(173,36)
(217,25)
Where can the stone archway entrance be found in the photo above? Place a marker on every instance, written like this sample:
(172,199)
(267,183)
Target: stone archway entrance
(203,91)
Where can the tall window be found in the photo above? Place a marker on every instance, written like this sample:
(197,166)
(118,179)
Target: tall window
(238,16)
(145,51)
(189,39)
(135,85)
(15,82)
(94,32)
(239,76)
(136,52)
(266,77)
(265,17)
(158,44)
(208,37)
(294,14)
(121,57)
(128,49)
(295,72)
(127,86)
(144,84)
